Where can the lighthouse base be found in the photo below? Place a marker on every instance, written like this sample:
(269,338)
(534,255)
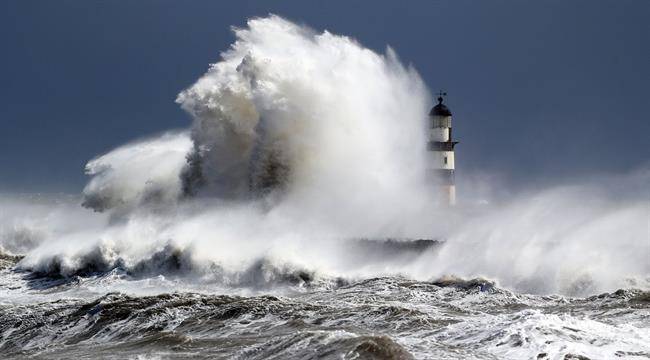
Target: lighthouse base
(395,251)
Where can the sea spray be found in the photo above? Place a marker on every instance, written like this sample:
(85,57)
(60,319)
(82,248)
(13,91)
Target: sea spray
(575,239)
(314,114)
(142,172)
(302,142)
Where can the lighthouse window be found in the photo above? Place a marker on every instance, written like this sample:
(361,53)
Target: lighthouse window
(445,160)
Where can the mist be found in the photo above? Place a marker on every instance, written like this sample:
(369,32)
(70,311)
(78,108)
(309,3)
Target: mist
(301,143)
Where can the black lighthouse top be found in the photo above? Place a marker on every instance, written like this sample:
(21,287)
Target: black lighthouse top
(440,109)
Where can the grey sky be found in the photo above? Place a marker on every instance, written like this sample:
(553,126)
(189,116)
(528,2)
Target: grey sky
(539,90)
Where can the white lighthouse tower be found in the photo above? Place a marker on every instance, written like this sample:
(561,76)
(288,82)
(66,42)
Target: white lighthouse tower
(441,148)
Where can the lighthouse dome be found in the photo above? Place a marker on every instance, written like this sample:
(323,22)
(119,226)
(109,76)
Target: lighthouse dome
(440,109)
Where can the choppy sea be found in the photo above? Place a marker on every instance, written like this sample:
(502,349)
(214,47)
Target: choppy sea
(295,315)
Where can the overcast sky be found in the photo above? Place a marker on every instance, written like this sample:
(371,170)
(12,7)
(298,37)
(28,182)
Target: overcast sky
(547,90)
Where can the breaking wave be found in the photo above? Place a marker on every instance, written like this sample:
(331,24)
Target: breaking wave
(302,143)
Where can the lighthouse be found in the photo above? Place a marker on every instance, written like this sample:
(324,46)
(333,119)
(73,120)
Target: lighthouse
(441,148)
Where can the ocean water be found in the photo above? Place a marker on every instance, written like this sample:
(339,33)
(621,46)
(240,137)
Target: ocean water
(117,315)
